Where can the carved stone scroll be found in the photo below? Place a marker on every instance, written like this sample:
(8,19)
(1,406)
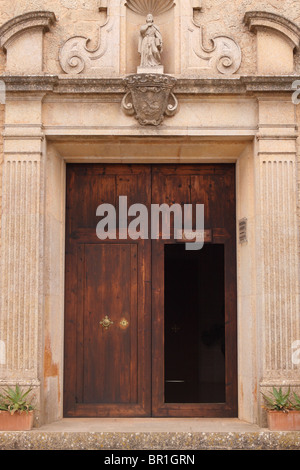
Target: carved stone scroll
(149,98)
(77,57)
(224,54)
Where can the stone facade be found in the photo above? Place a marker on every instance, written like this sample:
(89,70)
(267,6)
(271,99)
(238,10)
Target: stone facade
(298,176)
(216,18)
(64,64)
(1,148)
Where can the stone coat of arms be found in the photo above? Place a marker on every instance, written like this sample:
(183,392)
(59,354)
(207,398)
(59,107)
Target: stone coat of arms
(150,98)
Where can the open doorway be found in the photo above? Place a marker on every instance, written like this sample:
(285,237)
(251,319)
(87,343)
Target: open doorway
(194,325)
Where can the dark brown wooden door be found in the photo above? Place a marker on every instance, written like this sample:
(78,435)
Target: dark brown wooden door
(168,307)
(194,299)
(107,370)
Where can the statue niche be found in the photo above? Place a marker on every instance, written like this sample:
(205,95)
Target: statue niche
(149,93)
(150,30)
(150,47)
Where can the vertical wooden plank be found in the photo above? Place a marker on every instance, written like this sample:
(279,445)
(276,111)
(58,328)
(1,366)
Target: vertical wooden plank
(108,352)
(201,189)
(70,305)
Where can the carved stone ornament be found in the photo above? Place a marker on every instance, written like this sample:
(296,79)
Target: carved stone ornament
(155,7)
(149,98)
(224,54)
(76,56)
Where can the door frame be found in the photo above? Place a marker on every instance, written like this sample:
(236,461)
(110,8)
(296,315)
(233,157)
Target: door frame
(192,150)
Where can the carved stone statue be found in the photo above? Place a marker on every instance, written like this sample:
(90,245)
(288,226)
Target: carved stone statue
(150,45)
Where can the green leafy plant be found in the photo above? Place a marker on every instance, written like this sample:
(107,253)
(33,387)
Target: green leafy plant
(15,400)
(278,401)
(296,403)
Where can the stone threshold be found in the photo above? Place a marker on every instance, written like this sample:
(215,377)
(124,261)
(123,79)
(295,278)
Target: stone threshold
(150,434)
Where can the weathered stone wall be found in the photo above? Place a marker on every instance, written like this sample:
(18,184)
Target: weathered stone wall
(298,182)
(1,157)
(269,115)
(219,17)
(2,65)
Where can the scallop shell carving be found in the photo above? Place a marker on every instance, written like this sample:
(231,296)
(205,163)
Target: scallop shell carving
(156,7)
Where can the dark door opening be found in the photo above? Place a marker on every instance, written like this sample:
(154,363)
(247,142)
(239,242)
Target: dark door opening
(194,325)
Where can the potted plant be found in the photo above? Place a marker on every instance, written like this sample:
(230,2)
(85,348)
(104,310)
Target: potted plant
(283,413)
(16,412)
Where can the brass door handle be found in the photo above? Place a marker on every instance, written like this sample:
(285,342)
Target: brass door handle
(123,324)
(106,323)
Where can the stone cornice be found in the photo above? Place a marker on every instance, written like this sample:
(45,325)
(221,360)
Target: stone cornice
(184,86)
(16,26)
(256,20)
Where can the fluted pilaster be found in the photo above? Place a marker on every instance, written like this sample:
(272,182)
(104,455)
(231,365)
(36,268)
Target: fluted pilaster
(20,265)
(278,272)
(280,264)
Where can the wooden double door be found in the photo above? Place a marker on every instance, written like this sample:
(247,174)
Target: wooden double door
(150,327)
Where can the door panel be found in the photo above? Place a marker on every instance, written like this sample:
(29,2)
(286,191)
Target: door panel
(213,186)
(115,381)
(111,375)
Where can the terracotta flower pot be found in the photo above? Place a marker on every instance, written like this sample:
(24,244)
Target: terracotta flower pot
(16,422)
(280,421)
